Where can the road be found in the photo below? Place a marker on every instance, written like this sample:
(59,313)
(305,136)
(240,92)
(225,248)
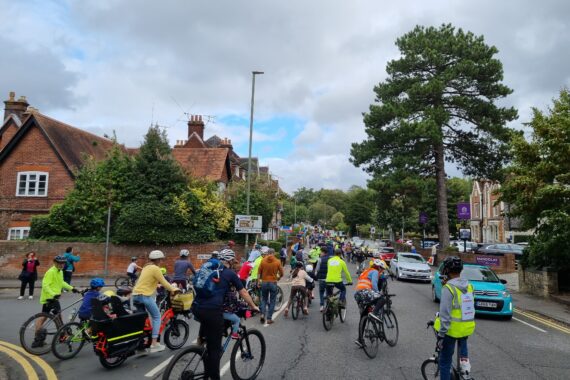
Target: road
(523,348)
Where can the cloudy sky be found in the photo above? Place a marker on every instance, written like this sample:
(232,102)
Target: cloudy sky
(118,65)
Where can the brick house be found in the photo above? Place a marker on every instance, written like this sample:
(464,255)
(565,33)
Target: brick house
(39,157)
(487,214)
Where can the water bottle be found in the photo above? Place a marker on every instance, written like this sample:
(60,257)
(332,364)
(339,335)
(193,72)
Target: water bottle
(72,315)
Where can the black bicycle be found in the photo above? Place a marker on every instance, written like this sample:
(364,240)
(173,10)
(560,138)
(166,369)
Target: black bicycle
(374,329)
(297,304)
(430,367)
(333,307)
(246,361)
(125,281)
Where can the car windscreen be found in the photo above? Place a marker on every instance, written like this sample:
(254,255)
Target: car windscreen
(478,274)
(411,259)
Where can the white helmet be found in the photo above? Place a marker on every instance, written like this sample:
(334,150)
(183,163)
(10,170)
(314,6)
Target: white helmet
(226,255)
(379,263)
(155,255)
(309,268)
(184,253)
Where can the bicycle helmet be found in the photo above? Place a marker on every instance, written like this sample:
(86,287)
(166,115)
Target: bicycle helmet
(134,258)
(379,263)
(300,264)
(184,253)
(155,255)
(227,255)
(452,264)
(109,293)
(309,268)
(97,283)
(163,270)
(60,259)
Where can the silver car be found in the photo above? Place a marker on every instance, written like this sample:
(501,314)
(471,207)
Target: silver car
(410,266)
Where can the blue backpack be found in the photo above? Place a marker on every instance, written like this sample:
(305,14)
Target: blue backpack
(207,277)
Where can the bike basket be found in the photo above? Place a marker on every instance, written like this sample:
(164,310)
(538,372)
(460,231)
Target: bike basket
(182,302)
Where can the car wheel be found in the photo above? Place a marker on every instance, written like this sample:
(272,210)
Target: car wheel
(398,275)
(433,295)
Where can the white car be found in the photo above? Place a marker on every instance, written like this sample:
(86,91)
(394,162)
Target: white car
(410,266)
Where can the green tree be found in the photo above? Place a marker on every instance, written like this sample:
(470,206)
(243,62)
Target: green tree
(337,219)
(304,196)
(263,199)
(320,212)
(300,213)
(537,185)
(438,105)
(332,197)
(359,207)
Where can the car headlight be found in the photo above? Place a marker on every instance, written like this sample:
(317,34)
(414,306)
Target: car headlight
(505,294)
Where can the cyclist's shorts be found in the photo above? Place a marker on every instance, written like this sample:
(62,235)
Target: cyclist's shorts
(366,296)
(51,306)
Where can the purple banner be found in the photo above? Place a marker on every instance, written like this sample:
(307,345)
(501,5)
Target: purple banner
(489,261)
(423,217)
(464,211)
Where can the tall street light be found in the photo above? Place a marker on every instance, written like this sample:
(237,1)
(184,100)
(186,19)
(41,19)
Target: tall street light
(253,74)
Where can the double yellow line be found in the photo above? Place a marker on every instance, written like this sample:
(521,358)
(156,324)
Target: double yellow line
(23,358)
(544,321)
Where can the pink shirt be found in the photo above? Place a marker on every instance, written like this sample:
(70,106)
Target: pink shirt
(245,270)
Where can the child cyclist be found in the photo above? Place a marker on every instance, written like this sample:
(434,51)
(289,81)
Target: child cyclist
(298,284)
(95,285)
(133,268)
(232,305)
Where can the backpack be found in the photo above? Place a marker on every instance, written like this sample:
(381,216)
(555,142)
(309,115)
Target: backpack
(207,277)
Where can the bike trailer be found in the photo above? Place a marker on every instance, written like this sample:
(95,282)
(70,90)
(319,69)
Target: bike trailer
(182,302)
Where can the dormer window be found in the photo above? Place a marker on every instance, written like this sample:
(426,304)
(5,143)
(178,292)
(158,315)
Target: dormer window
(32,184)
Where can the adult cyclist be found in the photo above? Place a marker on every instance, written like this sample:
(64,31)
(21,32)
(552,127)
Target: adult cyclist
(336,267)
(456,320)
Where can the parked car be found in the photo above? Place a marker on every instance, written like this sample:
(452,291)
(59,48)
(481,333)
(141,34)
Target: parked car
(410,266)
(490,292)
(460,245)
(501,249)
(387,254)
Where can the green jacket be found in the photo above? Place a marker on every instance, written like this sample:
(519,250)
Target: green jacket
(336,266)
(52,284)
(314,255)
(255,270)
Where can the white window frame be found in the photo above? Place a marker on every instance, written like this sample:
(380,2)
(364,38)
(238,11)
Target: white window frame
(27,186)
(18,233)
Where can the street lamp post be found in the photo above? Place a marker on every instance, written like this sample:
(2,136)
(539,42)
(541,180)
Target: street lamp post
(401,198)
(253,74)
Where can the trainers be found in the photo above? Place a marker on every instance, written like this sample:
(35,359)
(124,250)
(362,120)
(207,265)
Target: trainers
(31,297)
(156,348)
(21,298)
(306,311)
(321,309)
(269,321)
(235,336)
(465,365)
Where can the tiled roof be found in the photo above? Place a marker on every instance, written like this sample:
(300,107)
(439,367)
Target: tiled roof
(70,144)
(213,141)
(209,163)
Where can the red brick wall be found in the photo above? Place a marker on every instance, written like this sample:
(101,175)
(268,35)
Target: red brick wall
(93,256)
(32,153)
(9,132)
(506,262)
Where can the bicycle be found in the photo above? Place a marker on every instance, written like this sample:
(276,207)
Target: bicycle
(430,367)
(371,331)
(41,327)
(333,308)
(255,293)
(297,304)
(248,350)
(125,281)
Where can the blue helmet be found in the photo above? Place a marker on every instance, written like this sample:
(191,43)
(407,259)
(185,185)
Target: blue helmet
(97,283)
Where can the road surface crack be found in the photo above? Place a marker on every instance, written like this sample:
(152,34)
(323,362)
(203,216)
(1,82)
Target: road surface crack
(304,341)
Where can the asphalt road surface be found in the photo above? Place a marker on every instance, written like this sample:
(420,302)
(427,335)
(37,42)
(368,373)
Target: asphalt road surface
(523,348)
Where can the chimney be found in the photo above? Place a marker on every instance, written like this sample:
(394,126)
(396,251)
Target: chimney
(195,124)
(226,143)
(16,107)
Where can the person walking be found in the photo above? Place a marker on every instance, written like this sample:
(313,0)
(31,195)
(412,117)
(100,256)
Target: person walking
(181,267)
(270,270)
(283,254)
(29,275)
(71,259)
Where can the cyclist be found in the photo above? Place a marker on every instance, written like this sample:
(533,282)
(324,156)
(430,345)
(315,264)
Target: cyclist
(132,269)
(245,271)
(52,286)
(256,264)
(314,254)
(209,311)
(299,284)
(255,253)
(321,271)
(456,320)
(95,285)
(337,266)
(181,267)
(144,290)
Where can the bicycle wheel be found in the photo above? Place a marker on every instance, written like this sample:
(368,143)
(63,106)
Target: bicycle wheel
(430,369)
(279,298)
(37,333)
(368,331)
(111,362)
(296,308)
(342,313)
(176,334)
(390,327)
(187,364)
(248,356)
(328,317)
(68,341)
(122,281)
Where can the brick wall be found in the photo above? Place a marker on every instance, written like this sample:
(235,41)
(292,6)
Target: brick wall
(538,282)
(9,132)
(93,256)
(506,263)
(33,153)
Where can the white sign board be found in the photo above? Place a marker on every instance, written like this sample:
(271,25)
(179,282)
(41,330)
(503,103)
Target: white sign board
(247,224)
(207,256)
(372,230)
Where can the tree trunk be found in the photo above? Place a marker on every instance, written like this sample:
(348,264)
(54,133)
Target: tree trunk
(440,178)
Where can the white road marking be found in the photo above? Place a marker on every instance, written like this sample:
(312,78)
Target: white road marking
(530,325)
(276,314)
(161,366)
(224,369)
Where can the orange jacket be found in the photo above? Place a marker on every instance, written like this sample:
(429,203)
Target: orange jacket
(363,280)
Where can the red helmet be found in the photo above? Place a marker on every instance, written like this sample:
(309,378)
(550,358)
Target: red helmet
(231,243)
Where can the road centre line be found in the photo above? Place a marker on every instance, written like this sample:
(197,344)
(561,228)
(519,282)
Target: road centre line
(162,365)
(530,325)
(27,367)
(48,370)
(544,321)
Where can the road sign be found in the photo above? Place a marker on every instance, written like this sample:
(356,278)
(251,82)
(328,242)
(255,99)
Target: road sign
(286,229)
(205,257)
(465,234)
(247,224)
(372,230)
(423,217)
(463,211)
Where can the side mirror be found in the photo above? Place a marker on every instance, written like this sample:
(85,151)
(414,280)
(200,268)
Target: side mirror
(503,281)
